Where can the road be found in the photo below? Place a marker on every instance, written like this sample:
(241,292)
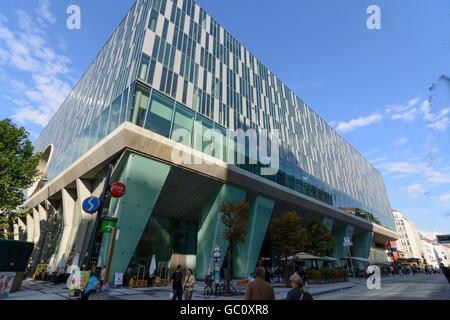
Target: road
(408,287)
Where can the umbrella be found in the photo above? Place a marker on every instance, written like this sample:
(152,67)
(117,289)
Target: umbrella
(303,256)
(152,266)
(330,259)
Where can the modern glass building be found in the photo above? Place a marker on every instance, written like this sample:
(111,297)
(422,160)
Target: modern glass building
(168,67)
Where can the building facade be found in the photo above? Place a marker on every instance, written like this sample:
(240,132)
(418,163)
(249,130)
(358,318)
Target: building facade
(188,117)
(430,255)
(409,244)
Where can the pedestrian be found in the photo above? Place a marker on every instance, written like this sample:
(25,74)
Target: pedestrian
(446,271)
(298,292)
(304,276)
(177,284)
(259,289)
(91,287)
(27,271)
(189,285)
(413,270)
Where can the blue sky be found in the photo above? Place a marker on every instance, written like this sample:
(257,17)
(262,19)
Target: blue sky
(372,86)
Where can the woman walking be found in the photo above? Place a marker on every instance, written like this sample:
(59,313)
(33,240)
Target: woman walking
(189,285)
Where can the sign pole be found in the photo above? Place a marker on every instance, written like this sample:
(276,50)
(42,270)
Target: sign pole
(99,216)
(351,262)
(110,254)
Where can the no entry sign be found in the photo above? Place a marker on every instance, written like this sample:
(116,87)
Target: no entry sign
(118,190)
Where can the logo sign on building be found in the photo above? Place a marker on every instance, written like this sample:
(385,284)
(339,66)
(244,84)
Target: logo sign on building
(91,204)
(117,190)
(108,224)
(443,238)
(6,282)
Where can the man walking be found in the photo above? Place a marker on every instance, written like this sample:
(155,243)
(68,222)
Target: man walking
(445,271)
(259,289)
(177,284)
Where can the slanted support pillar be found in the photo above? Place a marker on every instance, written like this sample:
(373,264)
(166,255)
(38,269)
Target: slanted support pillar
(245,255)
(30,228)
(340,250)
(361,248)
(83,192)
(211,228)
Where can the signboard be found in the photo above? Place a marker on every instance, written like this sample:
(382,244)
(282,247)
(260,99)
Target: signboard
(443,238)
(108,224)
(118,279)
(6,282)
(91,204)
(117,190)
(216,254)
(78,280)
(347,242)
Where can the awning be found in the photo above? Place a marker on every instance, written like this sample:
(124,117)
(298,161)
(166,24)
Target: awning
(368,260)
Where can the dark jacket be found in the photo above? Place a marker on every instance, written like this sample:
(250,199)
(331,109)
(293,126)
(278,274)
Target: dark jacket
(296,294)
(446,272)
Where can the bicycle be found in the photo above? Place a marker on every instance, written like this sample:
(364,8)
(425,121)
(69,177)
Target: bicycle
(208,290)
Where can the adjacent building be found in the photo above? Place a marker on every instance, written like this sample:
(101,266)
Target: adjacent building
(409,245)
(189,119)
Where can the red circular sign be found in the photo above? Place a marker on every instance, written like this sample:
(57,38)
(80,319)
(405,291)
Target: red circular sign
(118,190)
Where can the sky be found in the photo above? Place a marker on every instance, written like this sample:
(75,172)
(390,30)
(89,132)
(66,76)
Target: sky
(385,91)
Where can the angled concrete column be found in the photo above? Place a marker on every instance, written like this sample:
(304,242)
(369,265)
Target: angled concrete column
(83,192)
(71,222)
(30,228)
(341,251)
(16,231)
(144,179)
(43,232)
(245,255)
(37,226)
(210,228)
(361,247)
(328,222)
(22,229)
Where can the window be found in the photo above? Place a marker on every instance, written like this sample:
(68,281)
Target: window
(183,120)
(159,117)
(165,28)
(144,67)
(140,105)
(174,85)
(151,72)
(162,86)
(103,125)
(153,19)
(123,109)
(201,140)
(114,118)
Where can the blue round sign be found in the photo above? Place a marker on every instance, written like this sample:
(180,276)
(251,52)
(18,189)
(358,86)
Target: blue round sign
(91,204)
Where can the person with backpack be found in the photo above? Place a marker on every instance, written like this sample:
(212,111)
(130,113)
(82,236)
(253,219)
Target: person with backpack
(92,286)
(177,284)
(298,292)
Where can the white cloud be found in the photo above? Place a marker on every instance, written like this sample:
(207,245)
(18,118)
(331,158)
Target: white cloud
(438,177)
(445,197)
(402,167)
(407,116)
(415,190)
(400,141)
(438,122)
(43,11)
(44,72)
(358,123)
(401,108)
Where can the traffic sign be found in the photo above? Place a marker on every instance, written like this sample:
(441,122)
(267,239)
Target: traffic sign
(91,204)
(216,254)
(108,224)
(117,190)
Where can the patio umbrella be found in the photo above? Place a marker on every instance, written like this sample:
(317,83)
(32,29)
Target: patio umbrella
(152,266)
(303,256)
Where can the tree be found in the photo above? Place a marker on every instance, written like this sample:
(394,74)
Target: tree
(319,239)
(288,237)
(18,171)
(235,217)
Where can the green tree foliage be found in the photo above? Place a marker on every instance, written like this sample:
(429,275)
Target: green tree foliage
(18,171)
(288,237)
(234,217)
(319,239)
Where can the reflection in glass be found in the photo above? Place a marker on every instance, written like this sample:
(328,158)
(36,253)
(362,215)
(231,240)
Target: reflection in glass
(140,105)
(159,117)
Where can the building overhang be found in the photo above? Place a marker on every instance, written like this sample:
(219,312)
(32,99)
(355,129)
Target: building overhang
(149,144)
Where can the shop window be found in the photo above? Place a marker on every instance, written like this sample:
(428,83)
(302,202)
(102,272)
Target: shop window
(159,117)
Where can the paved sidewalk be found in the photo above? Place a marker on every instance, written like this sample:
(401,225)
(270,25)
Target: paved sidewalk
(40,290)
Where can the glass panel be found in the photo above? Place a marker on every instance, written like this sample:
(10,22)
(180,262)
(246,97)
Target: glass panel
(144,67)
(123,109)
(201,141)
(103,125)
(151,73)
(220,143)
(153,20)
(159,117)
(114,118)
(140,105)
(184,119)
(93,133)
